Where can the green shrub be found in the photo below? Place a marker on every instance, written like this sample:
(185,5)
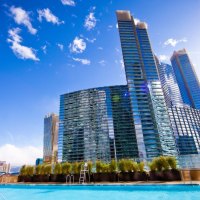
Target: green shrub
(98,166)
(158,163)
(141,166)
(128,165)
(89,163)
(80,164)
(29,170)
(23,170)
(58,169)
(47,169)
(122,165)
(113,166)
(172,162)
(105,167)
(42,170)
(134,167)
(38,169)
(66,168)
(164,162)
(152,166)
(75,168)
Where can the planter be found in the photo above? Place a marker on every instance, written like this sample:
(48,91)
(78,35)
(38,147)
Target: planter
(140,176)
(104,177)
(60,178)
(53,177)
(172,175)
(156,176)
(25,178)
(41,178)
(126,176)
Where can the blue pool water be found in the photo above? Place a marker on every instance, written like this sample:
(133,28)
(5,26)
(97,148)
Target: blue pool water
(145,192)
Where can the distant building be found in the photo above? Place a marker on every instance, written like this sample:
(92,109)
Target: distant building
(169,84)
(38,161)
(4,167)
(186,78)
(185,120)
(50,138)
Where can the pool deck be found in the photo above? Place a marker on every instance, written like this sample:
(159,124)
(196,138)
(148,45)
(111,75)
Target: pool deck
(109,183)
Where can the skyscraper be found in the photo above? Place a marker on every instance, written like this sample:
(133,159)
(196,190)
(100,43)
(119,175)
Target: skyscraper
(50,138)
(185,120)
(150,116)
(169,84)
(96,124)
(186,78)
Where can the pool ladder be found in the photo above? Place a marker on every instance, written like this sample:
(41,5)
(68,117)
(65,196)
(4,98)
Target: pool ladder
(70,177)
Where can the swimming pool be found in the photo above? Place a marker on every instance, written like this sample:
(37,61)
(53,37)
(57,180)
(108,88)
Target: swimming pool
(107,192)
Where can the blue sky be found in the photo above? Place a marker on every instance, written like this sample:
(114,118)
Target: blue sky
(52,47)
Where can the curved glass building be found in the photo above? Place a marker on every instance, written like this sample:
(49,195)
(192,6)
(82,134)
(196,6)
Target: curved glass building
(126,121)
(96,124)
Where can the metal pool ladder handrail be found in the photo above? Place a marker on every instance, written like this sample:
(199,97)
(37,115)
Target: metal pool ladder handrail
(71,177)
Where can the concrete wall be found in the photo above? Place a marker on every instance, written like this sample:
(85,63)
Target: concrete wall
(191,174)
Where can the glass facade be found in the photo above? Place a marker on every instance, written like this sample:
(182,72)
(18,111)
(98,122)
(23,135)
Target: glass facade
(150,116)
(96,124)
(186,127)
(184,119)
(169,84)
(186,78)
(50,138)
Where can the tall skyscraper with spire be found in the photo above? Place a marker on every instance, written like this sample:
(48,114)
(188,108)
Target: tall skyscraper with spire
(150,116)
(186,78)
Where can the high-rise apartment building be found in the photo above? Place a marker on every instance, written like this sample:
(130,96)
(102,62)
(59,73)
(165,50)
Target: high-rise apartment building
(186,78)
(169,84)
(184,119)
(50,145)
(150,116)
(96,124)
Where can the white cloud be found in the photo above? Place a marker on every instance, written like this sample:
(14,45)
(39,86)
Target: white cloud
(49,16)
(173,42)
(18,156)
(44,49)
(19,50)
(117,26)
(117,50)
(89,40)
(102,62)
(60,46)
(136,20)
(90,21)
(100,48)
(68,2)
(22,17)
(78,45)
(82,61)
(163,58)
(122,64)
